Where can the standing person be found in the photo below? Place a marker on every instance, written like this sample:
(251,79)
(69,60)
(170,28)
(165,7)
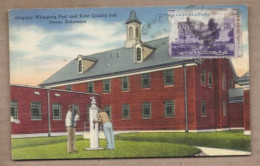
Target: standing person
(71,117)
(107,128)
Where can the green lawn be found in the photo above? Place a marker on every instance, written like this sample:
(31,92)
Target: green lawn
(55,148)
(235,139)
(131,145)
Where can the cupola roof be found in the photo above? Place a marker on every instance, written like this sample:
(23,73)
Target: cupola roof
(132,18)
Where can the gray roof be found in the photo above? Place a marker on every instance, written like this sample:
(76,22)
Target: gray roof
(118,61)
(90,58)
(243,80)
(236,95)
(133,18)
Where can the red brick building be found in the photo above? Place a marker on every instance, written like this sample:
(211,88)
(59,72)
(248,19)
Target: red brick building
(40,110)
(142,88)
(244,82)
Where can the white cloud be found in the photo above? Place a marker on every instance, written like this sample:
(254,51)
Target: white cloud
(36,53)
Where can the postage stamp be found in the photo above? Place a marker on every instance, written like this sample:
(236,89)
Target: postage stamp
(205,33)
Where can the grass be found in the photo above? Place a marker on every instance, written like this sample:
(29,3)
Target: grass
(227,140)
(30,142)
(124,149)
(131,145)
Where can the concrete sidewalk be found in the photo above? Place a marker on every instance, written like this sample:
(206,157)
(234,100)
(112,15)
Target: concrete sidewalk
(221,152)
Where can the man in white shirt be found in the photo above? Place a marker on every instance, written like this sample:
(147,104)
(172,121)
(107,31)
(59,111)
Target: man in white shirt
(71,117)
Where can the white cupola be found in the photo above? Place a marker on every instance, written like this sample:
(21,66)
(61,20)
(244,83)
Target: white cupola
(133,29)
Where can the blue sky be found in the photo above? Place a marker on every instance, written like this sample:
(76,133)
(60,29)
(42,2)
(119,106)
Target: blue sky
(38,49)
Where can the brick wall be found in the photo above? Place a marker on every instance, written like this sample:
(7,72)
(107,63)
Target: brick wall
(158,93)
(236,115)
(215,95)
(246,108)
(24,96)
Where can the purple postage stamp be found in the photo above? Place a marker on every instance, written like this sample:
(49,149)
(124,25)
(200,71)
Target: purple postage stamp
(205,33)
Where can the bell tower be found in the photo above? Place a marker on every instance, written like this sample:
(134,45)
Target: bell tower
(133,26)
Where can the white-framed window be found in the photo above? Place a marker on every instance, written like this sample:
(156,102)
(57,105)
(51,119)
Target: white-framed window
(210,79)
(203,107)
(223,81)
(224,105)
(136,32)
(68,87)
(168,77)
(231,86)
(56,111)
(130,35)
(145,80)
(125,111)
(125,83)
(106,86)
(146,110)
(80,66)
(203,77)
(36,110)
(107,109)
(14,109)
(169,108)
(90,87)
(138,54)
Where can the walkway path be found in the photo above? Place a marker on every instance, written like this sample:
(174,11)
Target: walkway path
(220,152)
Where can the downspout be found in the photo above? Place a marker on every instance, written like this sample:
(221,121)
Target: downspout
(49,114)
(185,99)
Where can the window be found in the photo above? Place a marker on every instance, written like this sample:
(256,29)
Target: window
(36,112)
(168,77)
(68,87)
(14,109)
(136,32)
(145,78)
(224,108)
(231,86)
(130,32)
(146,110)
(56,111)
(169,108)
(90,87)
(203,75)
(223,81)
(210,80)
(125,111)
(124,84)
(80,66)
(203,108)
(107,109)
(106,86)
(138,54)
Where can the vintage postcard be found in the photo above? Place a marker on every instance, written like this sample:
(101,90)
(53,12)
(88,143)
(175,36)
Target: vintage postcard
(129,82)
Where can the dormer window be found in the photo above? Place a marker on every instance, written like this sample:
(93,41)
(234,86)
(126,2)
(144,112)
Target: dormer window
(138,54)
(80,66)
(85,63)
